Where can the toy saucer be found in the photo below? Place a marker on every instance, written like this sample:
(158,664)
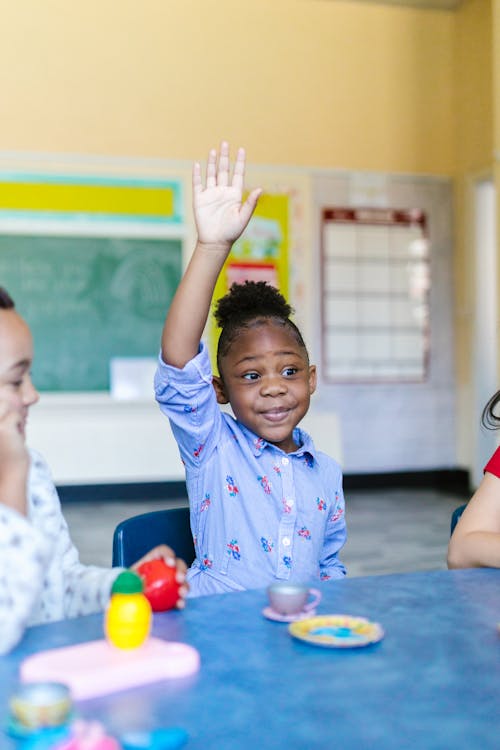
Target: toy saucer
(276,617)
(337,631)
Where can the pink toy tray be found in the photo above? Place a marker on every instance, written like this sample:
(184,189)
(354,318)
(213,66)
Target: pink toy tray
(97,668)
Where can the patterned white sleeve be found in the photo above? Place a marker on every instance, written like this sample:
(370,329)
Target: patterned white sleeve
(24,556)
(41,577)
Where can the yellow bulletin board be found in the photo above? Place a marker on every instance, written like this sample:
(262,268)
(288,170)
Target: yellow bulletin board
(261,254)
(70,197)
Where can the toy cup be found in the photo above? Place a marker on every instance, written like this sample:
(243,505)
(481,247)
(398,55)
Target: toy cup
(291,598)
(41,704)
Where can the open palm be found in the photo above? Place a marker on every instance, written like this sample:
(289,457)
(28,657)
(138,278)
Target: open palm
(220,215)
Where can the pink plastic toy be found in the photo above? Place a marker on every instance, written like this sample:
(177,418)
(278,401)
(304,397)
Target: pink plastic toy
(97,668)
(89,735)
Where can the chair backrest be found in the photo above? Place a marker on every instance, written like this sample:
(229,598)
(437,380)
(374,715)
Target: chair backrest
(455,516)
(135,536)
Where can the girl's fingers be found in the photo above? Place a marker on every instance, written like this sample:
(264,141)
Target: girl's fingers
(239,170)
(248,207)
(212,168)
(197,185)
(223,171)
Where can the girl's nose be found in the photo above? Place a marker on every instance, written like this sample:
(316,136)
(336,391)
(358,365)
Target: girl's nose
(30,394)
(273,385)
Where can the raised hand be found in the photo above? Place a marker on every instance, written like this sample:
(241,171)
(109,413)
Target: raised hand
(219,212)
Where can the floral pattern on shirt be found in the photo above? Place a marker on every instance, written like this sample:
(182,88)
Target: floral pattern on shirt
(277,493)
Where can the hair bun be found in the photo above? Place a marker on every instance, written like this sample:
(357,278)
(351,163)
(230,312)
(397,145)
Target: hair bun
(252,298)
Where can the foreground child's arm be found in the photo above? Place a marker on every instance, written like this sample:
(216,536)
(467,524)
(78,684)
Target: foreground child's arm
(220,218)
(29,545)
(475,542)
(21,546)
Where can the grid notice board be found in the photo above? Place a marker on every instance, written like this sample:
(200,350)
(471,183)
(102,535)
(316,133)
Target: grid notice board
(375,285)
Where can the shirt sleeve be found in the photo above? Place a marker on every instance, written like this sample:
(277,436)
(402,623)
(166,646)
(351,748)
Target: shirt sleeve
(493,465)
(24,555)
(187,397)
(86,588)
(41,578)
(335,537)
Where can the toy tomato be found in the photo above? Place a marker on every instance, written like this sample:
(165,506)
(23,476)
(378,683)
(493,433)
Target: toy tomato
(160,585)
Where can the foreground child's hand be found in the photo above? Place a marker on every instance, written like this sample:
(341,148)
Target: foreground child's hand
(14,458)
(219,212)
(12,441)
(162,552)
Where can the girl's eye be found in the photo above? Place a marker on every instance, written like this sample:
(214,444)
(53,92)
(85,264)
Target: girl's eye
(289,371)
(251,376)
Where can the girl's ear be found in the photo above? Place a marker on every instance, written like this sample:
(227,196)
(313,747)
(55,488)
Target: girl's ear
(313,378)
(219,389)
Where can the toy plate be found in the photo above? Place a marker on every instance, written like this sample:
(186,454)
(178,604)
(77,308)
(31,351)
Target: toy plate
(337,631)
(272,615)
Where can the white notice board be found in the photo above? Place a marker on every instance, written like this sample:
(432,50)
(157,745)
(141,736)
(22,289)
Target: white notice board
(375,289)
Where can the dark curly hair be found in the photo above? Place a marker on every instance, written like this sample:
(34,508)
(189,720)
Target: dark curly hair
(249,303)
(6,301)
(489,418)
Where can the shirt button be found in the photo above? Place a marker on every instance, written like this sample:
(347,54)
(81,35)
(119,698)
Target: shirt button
(285,461)
(286,541)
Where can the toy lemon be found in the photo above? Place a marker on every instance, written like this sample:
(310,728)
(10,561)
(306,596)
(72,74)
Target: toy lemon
(128,616)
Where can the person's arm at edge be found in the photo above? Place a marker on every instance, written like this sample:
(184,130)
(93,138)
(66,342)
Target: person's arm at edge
(21,575)
(475,541)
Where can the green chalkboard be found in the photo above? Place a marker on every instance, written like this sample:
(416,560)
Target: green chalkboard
(88,299)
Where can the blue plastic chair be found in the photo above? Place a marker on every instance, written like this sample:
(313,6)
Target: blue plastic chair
(455,516)
(135,536)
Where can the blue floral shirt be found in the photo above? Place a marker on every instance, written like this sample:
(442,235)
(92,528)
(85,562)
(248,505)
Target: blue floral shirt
(258,515)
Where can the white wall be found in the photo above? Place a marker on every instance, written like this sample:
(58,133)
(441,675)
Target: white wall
(91,439)
(391,427)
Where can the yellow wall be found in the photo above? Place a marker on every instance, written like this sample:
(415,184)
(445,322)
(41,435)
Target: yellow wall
(496,122)
(305,82)
(473,74)
(474,106)
(326,83)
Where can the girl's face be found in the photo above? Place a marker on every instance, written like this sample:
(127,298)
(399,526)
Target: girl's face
(267,379)
(16,355)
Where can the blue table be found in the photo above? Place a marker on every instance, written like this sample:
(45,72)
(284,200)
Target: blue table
(432,683)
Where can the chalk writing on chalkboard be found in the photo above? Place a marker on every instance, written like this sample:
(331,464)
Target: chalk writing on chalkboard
(88,299)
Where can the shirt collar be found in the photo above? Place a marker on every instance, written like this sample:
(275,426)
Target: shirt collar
(303,440)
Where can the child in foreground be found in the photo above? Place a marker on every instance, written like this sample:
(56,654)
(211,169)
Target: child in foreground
(475,542)
(266,506)
(41,578)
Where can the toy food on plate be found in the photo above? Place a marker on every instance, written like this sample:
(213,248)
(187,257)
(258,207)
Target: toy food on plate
(160,584)
(337,631)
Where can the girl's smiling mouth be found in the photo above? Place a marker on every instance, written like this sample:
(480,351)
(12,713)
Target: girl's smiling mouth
(276,415)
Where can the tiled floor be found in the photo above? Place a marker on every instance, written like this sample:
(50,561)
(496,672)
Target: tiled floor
(390,531)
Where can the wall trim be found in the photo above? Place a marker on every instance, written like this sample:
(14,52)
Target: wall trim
(456,481)
(124,491)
